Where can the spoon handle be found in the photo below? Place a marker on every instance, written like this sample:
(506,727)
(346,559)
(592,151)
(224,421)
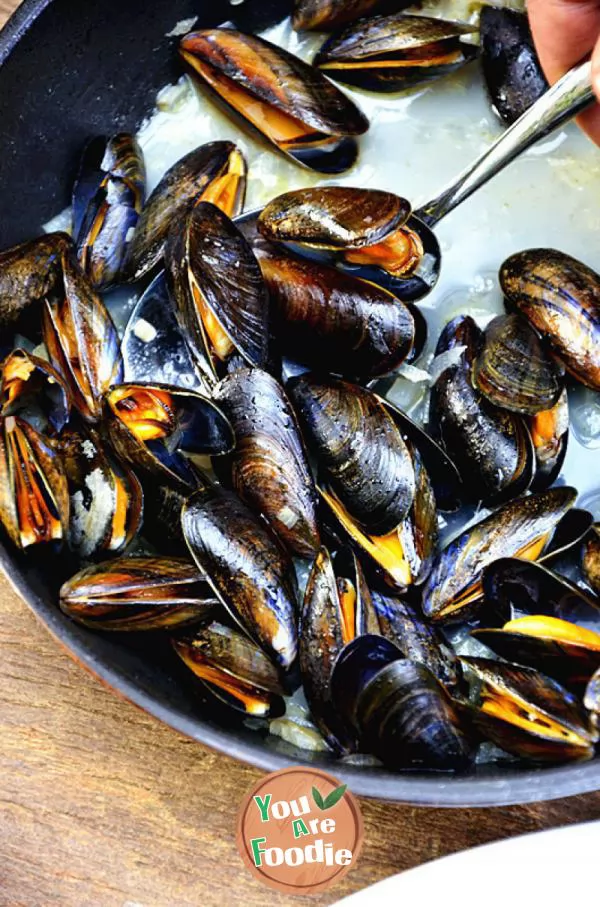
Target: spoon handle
(568,97)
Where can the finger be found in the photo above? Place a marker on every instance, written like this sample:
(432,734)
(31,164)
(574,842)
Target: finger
(564,32)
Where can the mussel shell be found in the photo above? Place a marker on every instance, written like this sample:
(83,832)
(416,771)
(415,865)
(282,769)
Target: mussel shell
(513,370)
(181,186)
(461,332)
(522,528)
(326,119)
(407,719)
(244,669)
(107,200)
(549,432)
(208,256)
(560,296)
(250,574)
(153,347)
(269,468)
(29,462)
(28,273)
(358,662)
(162,514)
(531,690)
(32,388)
(106,500)
(513,587)
(491,447)
(138,593)
(418,640)
(333,217)
(82,341)
(200,428)
(570,662)
(322,315)
(591,559)
(322,15)
(390,53)
(591,698)
(511,67)
(359,449)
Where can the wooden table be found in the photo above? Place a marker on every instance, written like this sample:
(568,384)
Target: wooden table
(101,805)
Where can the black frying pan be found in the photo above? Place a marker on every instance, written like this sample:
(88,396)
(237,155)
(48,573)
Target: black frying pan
(69,69)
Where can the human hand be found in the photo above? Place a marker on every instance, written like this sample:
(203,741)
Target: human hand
(565,33)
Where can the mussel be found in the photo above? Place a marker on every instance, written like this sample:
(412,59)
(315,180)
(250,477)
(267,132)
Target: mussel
(106,499)
(215,172)
(28,273)
(511,67)
(32,388)
(513,370)
(322,315)
(549,430)
(560,648)
(82,341)
(233,669)
(560,297)
(107,201)
(268,468)
(34,498)
(522,528)
(366,232)
(490,446)
(317,15)
(591,699)
(591,559)
(220,299)
(337,608)
(400,712)
(290,103)
(138,593)
(152,424)
(390,53)
(528,714)
(244,564)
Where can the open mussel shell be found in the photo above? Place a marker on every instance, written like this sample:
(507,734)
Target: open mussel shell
(521,528)
(365,232)
(34,497)
(288,102)
(337,608)
(418,640)
(268,467)
(513,587)
(153,347)
(233,669)
(513,370)
(511,67)
(559,648)
(560,297)
(529,715)
(214,172)
(322,315)
(108,196)
(591,559)
(323,15)
(220,298)
(107,501)
(549,432)
(491,447)
(28,273)
(32,388)
(244,564)
(364,460)
(82,341)
(390,53)
(151,425)
(138,593)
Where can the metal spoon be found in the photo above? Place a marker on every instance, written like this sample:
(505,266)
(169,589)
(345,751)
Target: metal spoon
(568,97)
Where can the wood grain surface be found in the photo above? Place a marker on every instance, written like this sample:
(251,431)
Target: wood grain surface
(101,805)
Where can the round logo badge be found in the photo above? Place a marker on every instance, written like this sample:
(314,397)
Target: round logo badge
(300,830)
